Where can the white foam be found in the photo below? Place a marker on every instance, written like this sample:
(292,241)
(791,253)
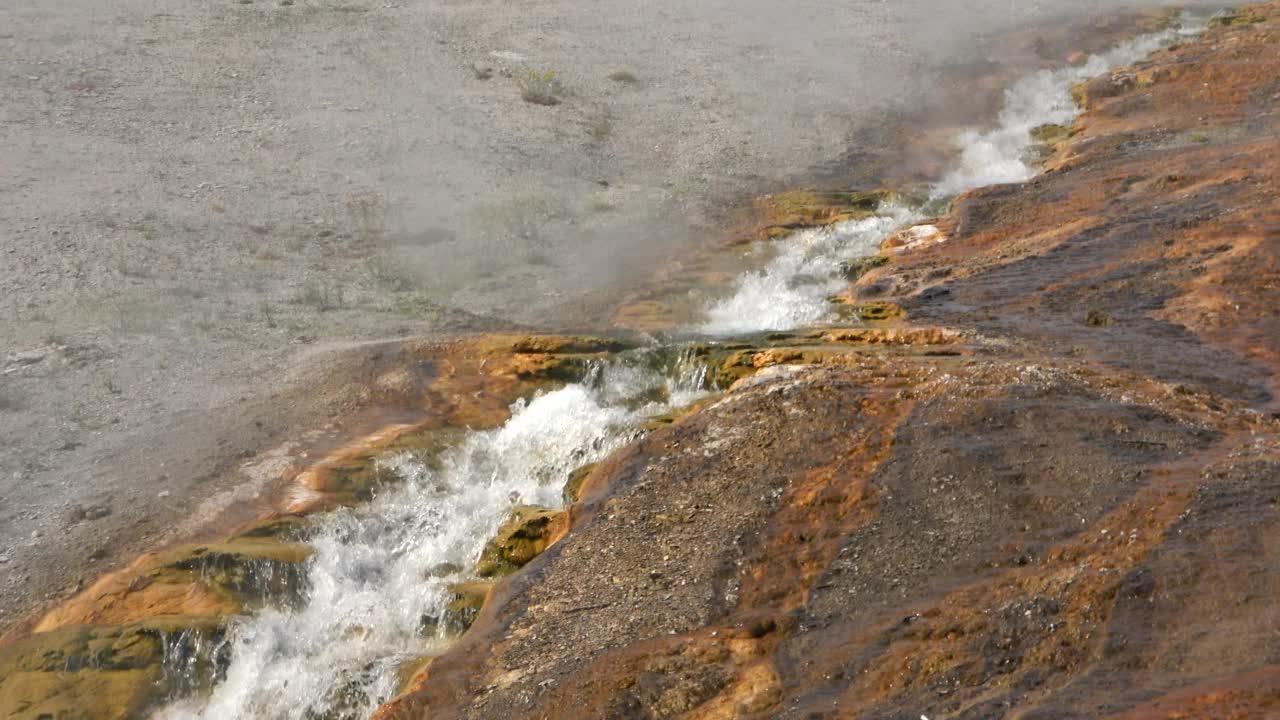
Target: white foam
(376,570)
(793,288)
(999,155)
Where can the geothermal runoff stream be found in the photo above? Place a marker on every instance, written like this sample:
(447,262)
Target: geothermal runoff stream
(379,570)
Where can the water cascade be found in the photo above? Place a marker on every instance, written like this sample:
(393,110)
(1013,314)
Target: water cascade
(381,572)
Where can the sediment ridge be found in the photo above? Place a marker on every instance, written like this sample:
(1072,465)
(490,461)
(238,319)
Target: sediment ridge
(1034,471)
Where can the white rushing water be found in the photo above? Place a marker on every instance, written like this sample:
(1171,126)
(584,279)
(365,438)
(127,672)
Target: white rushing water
(791,290)
(380,569)
(1000,155)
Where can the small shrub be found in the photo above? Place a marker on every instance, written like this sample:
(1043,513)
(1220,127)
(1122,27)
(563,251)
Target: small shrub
(1097,318)
(599,127)
(541,88)
(385,273)
(623,76)
(319,295)
(367,214)
(268,313)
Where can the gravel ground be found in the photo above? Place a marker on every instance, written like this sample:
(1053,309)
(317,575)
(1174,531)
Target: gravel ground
(196,199)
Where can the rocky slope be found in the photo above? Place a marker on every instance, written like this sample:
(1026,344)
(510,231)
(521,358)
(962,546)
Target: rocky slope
(1070,510)
(1035,474)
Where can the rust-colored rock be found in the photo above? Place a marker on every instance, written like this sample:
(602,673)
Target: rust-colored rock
(893,336)
(787,212)
(466,600)
(199,580)
(524,536)
(103,673)
(1074,518)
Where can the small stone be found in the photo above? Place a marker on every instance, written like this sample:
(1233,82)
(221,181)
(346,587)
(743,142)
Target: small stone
(35,534)
(140,583)
(1097,318)
(443,569)
(527,532)
(30,357)
(163,494)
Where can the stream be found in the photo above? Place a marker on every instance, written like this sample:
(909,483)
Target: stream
(381,572)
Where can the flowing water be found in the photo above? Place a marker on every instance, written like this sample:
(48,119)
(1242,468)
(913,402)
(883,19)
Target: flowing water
(381,572)
(792,288)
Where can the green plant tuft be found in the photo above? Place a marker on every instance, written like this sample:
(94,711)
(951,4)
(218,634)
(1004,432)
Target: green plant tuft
(541,87)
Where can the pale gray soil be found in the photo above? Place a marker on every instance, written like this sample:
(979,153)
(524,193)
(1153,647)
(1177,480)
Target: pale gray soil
(194,195)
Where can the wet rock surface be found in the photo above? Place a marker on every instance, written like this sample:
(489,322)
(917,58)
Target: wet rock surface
(527,534)
(1060,502)
(90,671)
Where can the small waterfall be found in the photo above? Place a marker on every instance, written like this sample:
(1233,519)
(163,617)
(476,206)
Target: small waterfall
(378,570)
(195,659)
(1000,155)
(792,289)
